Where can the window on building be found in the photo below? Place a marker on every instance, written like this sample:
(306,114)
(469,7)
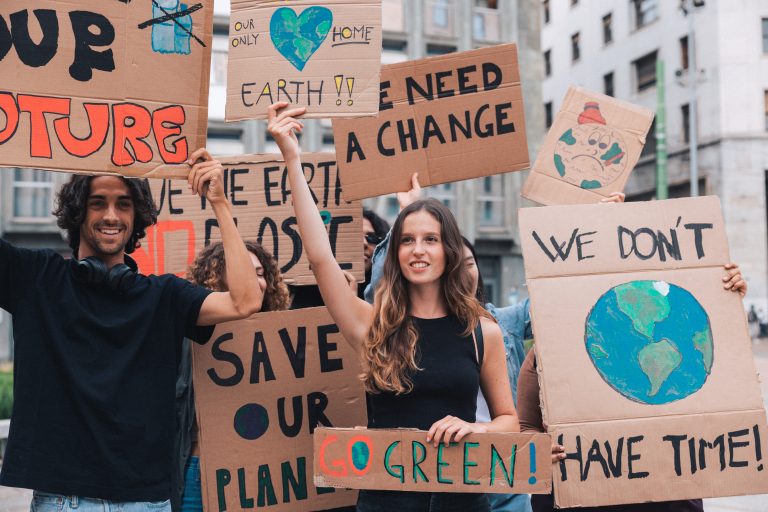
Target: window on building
(685,112)
(440,49)
(645,71)
(548,63)
(393,51)
(608,28)
(491,201)
(548,114)
(608,83)
(575,47)
(32,195)
(490,269)
(219,66)
(486,22)
(439,17)
(766,110)
(644,12)
(684,52)
(445,193)
(545,8)
(765,35)
(225,142)
(650,142)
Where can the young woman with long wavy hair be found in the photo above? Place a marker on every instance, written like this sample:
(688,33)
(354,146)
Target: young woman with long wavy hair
(426,343)
(209,271)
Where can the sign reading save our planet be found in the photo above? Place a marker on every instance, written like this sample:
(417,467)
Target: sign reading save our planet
(627,301)
(324,56)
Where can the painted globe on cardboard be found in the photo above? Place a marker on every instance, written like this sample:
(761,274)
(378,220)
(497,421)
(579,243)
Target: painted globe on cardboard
(651,341)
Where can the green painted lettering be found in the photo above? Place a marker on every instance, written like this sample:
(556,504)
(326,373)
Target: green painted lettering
(441,463)
(223,477)
(497,460)
(266,490)
(292,481)
(400,474)
(416,469)
(468,463)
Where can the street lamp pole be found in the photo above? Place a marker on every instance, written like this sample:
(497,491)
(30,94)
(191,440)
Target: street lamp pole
(688,7)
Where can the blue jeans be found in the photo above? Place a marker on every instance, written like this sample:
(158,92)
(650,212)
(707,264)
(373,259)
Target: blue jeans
(510,502)
(192,498)
(45,502)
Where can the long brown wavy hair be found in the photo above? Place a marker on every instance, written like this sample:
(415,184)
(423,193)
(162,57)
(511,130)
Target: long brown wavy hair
(389,351)
(208,271)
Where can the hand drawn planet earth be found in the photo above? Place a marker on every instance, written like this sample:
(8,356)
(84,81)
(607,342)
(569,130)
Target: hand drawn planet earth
(591,154)
(651,341)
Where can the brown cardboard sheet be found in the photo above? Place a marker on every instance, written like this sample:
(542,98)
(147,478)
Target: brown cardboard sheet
(449,118)
(638,344)
(324,56)
(258,189)
(402,460)
(104,87)
(590,150)
(261,386)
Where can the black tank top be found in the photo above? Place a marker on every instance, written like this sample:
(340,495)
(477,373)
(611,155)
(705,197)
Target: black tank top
(447,383)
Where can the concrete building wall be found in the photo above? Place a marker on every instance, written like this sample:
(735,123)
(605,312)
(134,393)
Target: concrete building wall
(732,77)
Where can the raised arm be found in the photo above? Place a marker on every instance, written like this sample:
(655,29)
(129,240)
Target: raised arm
(244,296)
(351,314)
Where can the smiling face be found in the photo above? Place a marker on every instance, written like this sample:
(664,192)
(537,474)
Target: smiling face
(420,250)
(590,155)
(108,222)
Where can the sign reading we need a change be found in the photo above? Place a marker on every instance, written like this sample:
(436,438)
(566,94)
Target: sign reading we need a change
(262,386)
(449,118)
(324,56)
(629,312)
(81,85)
(258,189)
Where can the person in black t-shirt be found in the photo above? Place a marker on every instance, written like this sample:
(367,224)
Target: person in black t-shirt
(97,345)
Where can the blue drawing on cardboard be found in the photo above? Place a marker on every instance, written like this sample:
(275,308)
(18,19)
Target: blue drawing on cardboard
(298,37)
(251,421)
(651,341)
(171,36)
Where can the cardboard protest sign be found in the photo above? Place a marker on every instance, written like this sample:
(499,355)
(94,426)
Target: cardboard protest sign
(258,188)
(104,87)
(592,146)
(322,55)
(450,118)
(262,385)
(402,460)
(645,363)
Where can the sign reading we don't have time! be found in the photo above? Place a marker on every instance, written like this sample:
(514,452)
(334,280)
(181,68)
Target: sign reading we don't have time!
(80,85)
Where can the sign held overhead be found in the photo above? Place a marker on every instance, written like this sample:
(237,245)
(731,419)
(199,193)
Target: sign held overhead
(449,118)
(324,56)
(590,150)
(80,87)
(258,189)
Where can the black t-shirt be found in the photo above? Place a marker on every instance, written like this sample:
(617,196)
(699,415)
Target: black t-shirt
(94,378)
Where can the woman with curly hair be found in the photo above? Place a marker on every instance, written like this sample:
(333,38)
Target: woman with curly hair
(427,345)
(209,271)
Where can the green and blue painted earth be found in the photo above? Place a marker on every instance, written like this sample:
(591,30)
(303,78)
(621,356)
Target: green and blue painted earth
(298,37)
(651,341)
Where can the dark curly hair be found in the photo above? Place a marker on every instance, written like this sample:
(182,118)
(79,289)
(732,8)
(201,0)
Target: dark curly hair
(72,204)
(208,271)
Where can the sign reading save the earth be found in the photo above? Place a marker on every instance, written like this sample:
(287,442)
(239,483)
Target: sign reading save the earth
(323,57)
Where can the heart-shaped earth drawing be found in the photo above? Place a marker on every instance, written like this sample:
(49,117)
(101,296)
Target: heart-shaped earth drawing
(298,37)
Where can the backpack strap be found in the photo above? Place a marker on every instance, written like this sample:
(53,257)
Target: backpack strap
(477,337)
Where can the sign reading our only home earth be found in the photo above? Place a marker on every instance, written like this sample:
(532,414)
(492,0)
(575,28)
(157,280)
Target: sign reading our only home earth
(81,85)
(629,312)
(324,56)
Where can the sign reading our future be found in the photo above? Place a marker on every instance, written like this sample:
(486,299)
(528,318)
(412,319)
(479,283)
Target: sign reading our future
(324,56)
(262,386)
(258,189)
(402,460)
(628,302)
(449,118)
(80,85)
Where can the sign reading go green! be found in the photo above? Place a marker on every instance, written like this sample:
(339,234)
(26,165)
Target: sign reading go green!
(400,459)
